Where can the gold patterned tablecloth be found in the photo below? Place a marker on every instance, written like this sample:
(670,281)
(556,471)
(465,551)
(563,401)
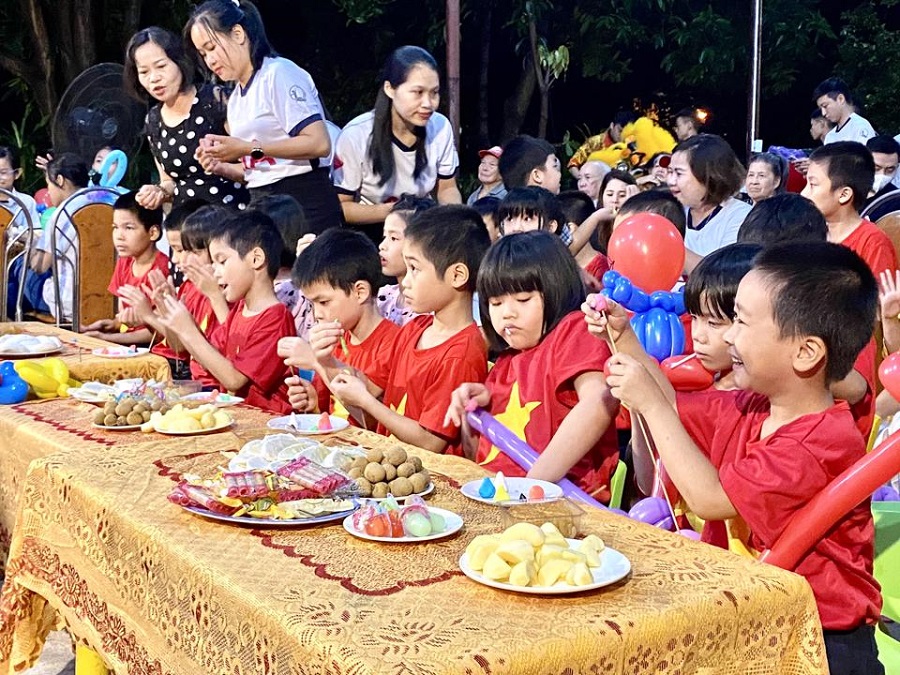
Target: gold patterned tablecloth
(86,367)
(155,589)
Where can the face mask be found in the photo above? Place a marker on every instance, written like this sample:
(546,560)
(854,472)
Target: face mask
(880,181)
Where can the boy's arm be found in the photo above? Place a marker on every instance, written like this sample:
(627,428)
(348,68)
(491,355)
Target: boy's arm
(581,429)
(690,470)
(352,391)
(175,317)
(583,232)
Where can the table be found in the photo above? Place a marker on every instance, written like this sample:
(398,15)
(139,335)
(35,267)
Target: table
(83,365)
(154,589)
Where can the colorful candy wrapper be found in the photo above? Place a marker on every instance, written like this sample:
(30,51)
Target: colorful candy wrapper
(245,484)
(313,476)
(198,496)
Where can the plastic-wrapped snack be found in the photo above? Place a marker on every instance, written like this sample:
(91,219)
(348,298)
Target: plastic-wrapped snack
(198,496)
(292,495)
(313,476)
(246,484)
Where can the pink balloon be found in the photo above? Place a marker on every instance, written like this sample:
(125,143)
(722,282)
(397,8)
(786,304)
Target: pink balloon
(889,374)
(42,196)
(843,494)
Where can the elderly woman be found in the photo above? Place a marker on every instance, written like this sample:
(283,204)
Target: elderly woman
(766,176)
(491,184)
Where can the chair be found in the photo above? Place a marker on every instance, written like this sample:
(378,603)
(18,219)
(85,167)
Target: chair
(8,213)
(887,571)
(90,212)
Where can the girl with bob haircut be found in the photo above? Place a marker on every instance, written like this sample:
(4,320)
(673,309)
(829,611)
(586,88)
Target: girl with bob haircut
(548,374)
(767,176)
(275,117)
(401,146)
(158,69)
(526,209)
(704,175)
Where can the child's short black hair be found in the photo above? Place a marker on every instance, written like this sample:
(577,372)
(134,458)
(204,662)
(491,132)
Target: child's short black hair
(832,88)
(531,202)
(783,218)
(823,290)
(197,227)
(525,262)
(247,230)
(576,207)
(711,287)
(175,220)
(487,206)
(520,157)
(146,217)
(410,204)
(448,235)
(848,164)
(339,257)
(288,216)
(659,202)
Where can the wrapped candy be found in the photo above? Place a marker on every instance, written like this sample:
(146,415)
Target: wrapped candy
(245,484)
(186,494)
(313,476)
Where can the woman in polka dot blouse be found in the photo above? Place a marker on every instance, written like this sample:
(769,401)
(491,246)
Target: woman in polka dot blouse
(157,65)
(276,120)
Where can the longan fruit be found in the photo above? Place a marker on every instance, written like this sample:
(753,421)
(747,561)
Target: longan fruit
(359,462)
(419,482)
(416,462)
(374,455)
(146,415)
(110,420)
(365,487)
(401,487)
(121,421)
(406,470)
(109,408)
(134,418)
(139,408)
(380,490)
(124,407)
(390,471)
(374,472)
(99,417)
(395,455)
(355,473)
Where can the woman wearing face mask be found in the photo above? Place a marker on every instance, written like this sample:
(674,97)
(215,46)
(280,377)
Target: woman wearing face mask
(491,184)
(402,146)
(704,175)
(766,176)
(276,120)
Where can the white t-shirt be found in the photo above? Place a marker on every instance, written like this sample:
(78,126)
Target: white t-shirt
(720,230)
(856,128)
(353,172)
(279,101)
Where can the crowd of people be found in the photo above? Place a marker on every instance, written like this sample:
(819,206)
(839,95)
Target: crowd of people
(266,246)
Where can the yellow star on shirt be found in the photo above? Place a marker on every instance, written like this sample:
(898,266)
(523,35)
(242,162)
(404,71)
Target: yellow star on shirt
(400,410)
(515,418)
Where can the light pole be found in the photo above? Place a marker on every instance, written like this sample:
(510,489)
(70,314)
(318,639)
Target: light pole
(754,143)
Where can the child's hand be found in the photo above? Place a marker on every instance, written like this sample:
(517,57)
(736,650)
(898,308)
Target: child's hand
(305,241)
(302,395)
(323,337)
(202,277)
(159,284)
(139,305)
(630,382)
(174,316)
(890,295)
(600,311)
(466,397)
(101,326)
(350,390)
(127,316)
(296,352)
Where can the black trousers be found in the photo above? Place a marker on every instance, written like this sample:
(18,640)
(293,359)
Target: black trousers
(853,652)
(314,192)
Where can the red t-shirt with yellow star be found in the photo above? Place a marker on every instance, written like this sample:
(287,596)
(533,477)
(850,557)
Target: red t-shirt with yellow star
(532,391)
(418,383)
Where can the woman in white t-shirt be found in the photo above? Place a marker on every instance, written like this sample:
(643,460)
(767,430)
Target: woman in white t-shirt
(704,175)
(276,120)
(402,146)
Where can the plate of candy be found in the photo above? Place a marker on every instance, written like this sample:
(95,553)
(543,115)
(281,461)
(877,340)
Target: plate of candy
(308,424)
(120,352)
(216,398)
(297,494)
(500,489)
(394,524)
(525,558)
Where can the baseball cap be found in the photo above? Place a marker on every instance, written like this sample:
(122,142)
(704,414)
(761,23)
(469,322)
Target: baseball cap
(496,151)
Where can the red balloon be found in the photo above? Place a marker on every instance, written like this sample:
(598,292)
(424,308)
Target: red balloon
(686,374)
(648,250)
(42,196)
(889,374)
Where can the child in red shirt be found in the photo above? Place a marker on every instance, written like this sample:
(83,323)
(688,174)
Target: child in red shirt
(242,354)
(135,233)
(339,273)
(409,386)
(547,384)
(752,458)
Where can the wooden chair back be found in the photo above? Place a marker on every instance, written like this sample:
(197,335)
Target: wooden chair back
(96,262)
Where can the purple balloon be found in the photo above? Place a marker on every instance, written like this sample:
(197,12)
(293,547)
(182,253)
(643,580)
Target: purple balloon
(666,524)
(652,510)
(690,534)
(886,493)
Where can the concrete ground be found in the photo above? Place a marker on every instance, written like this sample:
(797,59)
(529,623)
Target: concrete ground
(58,658)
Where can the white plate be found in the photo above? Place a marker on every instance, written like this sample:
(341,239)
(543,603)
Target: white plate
(198,432)
(269,522)
(120,353)
(91,396)
(306,424)
(127,427)
(220,401)
(452,521)
(30,355)
(515,486)
(427,491)
(53,345)
(614,566)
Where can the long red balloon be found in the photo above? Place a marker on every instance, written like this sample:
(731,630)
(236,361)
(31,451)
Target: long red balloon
(843,494)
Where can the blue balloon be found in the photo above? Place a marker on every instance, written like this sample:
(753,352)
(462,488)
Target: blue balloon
(621,292)
(118,158)
(8,368)
(677,334)
(679,307)
(638,325)
(640,301)
(14,389)
(610,278)
(663,300)
(659,334)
